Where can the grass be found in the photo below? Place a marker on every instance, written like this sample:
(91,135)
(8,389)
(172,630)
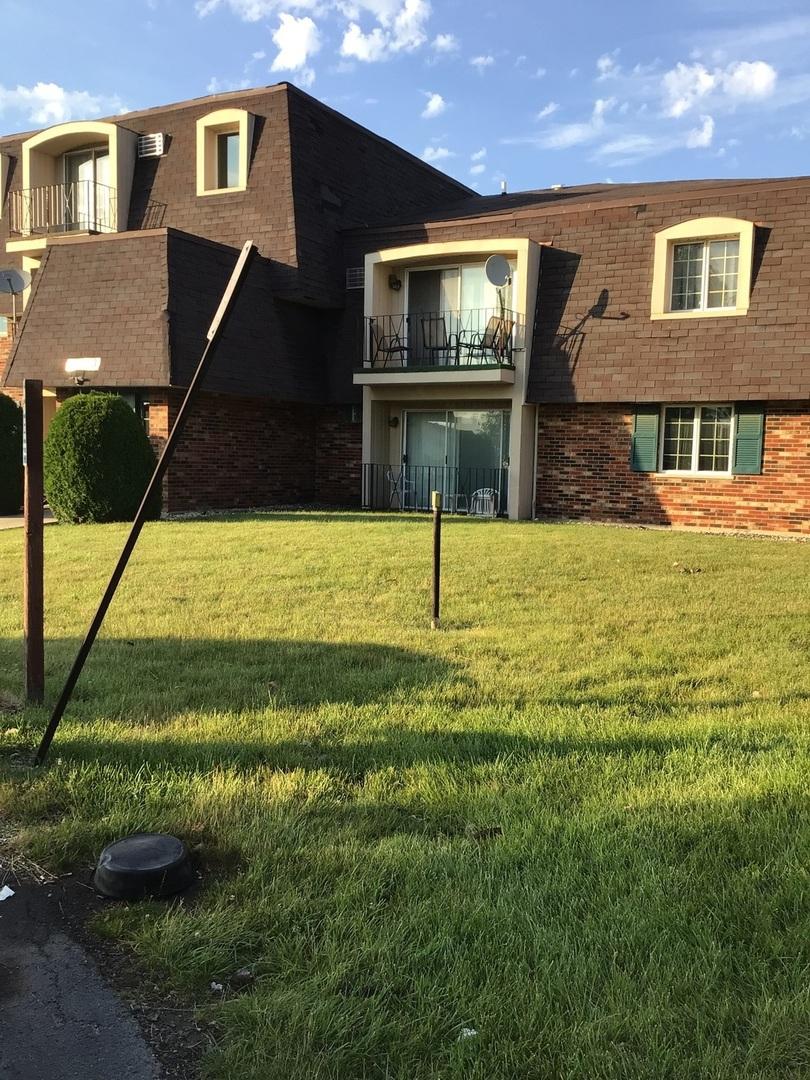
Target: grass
(575,820)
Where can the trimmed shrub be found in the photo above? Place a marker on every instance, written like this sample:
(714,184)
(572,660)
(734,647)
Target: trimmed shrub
(11,469)
(98,460)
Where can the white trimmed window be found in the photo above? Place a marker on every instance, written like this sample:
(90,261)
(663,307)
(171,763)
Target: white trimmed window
(224,141)
(697,439)
(703,268)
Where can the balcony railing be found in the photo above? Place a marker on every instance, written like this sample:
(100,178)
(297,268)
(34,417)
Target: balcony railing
(480,492)
(479,337)
(81,206)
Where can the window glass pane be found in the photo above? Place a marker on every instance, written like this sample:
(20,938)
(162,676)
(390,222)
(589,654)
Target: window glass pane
(228,159)
(687,276)
(679,433)
(723,265)
(715,438)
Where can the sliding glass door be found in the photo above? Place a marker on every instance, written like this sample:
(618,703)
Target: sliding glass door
(445,302)
(88,204)
(456,451)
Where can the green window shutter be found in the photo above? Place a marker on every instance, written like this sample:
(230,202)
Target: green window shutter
(748,440)
(644,442)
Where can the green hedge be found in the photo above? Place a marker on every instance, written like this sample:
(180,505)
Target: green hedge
(98,460)
(11,469)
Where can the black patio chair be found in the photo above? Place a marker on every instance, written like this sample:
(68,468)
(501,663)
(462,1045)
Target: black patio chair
(385,346)
(495,341)
(437,344)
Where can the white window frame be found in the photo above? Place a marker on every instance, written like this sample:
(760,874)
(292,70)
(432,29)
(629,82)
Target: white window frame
(697,231)
(723,474)
(706,241)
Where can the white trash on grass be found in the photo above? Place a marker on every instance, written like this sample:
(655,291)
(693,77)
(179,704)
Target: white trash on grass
(6,893)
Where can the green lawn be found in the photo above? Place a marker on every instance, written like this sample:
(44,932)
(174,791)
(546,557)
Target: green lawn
(574,820)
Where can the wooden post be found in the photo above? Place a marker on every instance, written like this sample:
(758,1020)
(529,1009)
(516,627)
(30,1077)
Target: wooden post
(34,560)
(436,502)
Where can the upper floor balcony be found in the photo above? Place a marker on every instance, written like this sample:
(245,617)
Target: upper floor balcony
(53,209)
(478,344)
(75,177)
(435,314)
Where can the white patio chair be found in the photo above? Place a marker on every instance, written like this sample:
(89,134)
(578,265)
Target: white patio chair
(484,502)
(401,488)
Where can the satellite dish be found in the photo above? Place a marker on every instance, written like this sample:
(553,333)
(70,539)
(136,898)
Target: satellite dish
(14,281)
(498,271)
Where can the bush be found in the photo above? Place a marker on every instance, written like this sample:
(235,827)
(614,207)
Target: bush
(11,469)
(98,460)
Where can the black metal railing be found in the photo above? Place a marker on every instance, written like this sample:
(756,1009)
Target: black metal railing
(481,492)
(80,206)
(480,337)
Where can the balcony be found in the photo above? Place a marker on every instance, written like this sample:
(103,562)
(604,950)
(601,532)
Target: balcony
(472,345)
(475,491)
(82,206)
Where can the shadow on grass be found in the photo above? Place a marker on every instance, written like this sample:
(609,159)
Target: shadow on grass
(156,678)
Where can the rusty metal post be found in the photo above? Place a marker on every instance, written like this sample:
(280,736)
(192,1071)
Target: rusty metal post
(215,331)
(34,557)
(436,503)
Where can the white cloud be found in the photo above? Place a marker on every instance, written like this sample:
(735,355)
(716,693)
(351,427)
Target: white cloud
(366,47)
(435,106)
(436,153)
(401,28)
(251,10)
(685,85)
(540,73)
(48,103)
(479,155)
(444,43)
(297,40)
(547,110)
(607,66)
(749,80)
(480,63)
(702,136)
(476,170)
(564,136)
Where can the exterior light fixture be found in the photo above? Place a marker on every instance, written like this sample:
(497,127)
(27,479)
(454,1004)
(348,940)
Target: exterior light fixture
(80,366)
(394,283)
(393,421)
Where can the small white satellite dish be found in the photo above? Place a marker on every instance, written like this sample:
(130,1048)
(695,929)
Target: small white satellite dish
(498,271)
(14,281)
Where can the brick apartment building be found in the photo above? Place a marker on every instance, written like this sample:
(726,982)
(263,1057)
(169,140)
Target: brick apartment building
(633,353)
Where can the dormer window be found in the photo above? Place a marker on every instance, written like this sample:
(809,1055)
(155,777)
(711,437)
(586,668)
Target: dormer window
(704,275)
(703,268)
(223,151)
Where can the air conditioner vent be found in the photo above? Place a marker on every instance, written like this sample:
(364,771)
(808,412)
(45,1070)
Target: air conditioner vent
(355,277)
(151,145)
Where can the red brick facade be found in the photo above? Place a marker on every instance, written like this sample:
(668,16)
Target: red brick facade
(338,456)
(583,472)
(5,351)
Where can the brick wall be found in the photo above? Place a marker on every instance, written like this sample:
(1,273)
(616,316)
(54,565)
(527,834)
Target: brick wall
(241,452)
(5,352)
(583,472)
(338,457)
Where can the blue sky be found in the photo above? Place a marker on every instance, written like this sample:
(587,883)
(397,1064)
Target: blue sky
(534,92)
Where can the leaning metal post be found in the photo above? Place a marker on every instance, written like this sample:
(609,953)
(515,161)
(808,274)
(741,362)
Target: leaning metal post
(214,335)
